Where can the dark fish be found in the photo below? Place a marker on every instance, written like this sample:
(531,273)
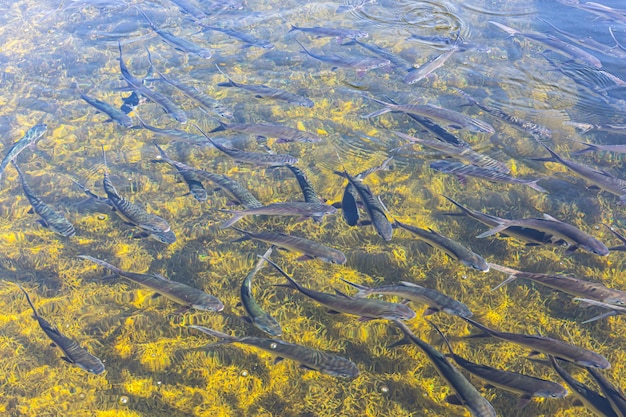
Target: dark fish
(327,363)
(435,300)
(349,205)
(190,8)
(613,393)
(31,136)
(338,33)
(310,196)
(425,70)
(50,218)
(549,346)
(283,133)
(448,246)
(130,103)
(290,208)
(462,171)
(258,317)
(183,294)
(242,36)
(365,308)
(74,353)
(571,235)
(465,393)
(526,386)
(309,248)
(192,180)
(361,64)
(117,115)
(452,118)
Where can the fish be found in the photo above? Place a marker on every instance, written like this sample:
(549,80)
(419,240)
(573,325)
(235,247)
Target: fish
(595,147)
(571,235)
(465,393)
(435,300)
(573,286)
(590,399)
(548,346)
(263,91)
(179,135)
(283,133)
(590,43)
(613,393)
(526,386)
(365,308)
(258,317)
(606,12)
(137,85)
(246,38)
(622,247)
(115,114)
(337,33)
(462,171)
(31,137)
(183,294)
(601,179)
(178,43)
(196,189)
(309,248)
(452,118)
(460,152)
(395,60)
(312,359)
(50,218)
(72,351)
(360,64)
(237,192)
(425,70)
(614,309)
(290,208)
(310,196)
(190,8)
(349,205)
(448,246)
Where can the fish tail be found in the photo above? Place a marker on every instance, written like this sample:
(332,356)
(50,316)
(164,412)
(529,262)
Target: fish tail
(104,264)
(363,290)
(225,337)
(161,151)
(302,46)
(535,186)
(507,29)
(500,227)
(443,336)
(220,128)
(293,28)
(147,18)
(263,258)
(228,223)
(292,282)
(589,147)
(30,303)
(376,113)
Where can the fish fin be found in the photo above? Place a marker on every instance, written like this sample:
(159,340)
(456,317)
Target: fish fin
(182,310)
(226,84)
(430,310)
(308,368)
(601,316)
(51,344)
(535,186)
(31,211)
(534,353)
(491,232)
(43,223)
(401,342)
(571,249)
(453,399)
(304,258)
(523,401)
(594,188)
(461,179)
(376,113)
(530,245)
(332,312)
(241,239)
(66,359)
(405,301)
(503,283)
(477,336)
(362,288)
(258,96)
(364,223)
(342,294)
(337,205)
(155,295)
(489,386)
(278,359)
(546,216)
(364,319)
(246,319)
(548,159)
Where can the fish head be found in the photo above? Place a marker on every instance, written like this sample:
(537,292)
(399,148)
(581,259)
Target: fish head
(349,370)
(478,264)
(441,166)
(554,391)
(164,237)
(600,249)
(305,102)
(402,312)
(92,368)
(208,303)
(335,258)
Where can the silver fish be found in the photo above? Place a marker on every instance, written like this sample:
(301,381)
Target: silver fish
(31,136)
(190,8)
(291,208)
(594,147)
(237,192)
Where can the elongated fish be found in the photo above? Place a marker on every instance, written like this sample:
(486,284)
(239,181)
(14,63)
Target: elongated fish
(365,308)
(74,353)
(548,346)
(247,38)
(31,136)
(570,234)
(451,118)
(196,189)
(183,294)
(50,218)
(313,359)
(283,133)
(425,70)
(435,300)
(237,192)
(465,393)
(310,196)
(613,393)
(290,208)
(113,112)
(337,33)
(463,171)
(309,248)
(361,64)
(258,317)
(448,246)
(526,386)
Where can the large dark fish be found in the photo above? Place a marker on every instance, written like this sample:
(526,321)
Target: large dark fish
(549,346)
(338,33)
(114,113)
(309,248)
(327,363)
(258,317)
(465,393)
(188,173)
(365,308)
(435,300)
(448,246)
(613,393)
(183,294)
(74,353)
(31,136)
(283,133)
(50,218)
(246,38)
(361,64)
(290,208)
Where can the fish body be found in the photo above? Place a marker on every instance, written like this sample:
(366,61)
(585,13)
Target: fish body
(613,393)
(31,136)
(183,294)
(425,70)
(74,353)
(327,363)
(448,246)
(50,218)
(290,208)
(188,173)
(360,64)
(590,43)
(115,114)
(263,91)
(283,133)
(242,36)
(338,33)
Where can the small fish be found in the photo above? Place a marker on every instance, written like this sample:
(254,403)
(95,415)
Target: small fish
(527,387)
(462,171)
(258,317)
(425,70)
(573,236)
(435,300)
(283,133)
(50,218)
(365,308)
(310,196)
(548,346)
(117,115)
(309,248)
(360,64)
(74,353)
(183,294)
(31,137)
(313,359)
(196,189)
(613,393)
(290,208)
(248,39)
(337,33)
(465,393)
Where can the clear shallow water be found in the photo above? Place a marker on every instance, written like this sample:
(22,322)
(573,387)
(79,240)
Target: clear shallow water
(157,367)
